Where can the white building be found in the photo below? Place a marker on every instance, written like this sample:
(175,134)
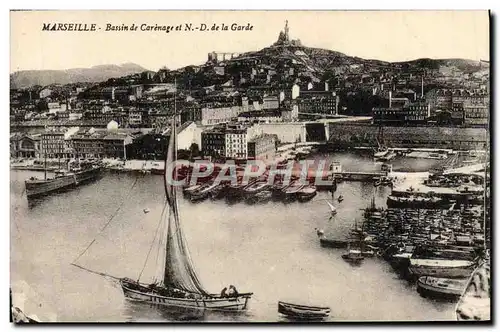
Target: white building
(236,143)
(188,134)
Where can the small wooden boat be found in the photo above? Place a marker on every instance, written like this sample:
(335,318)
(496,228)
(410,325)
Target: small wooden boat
(340,199)
(441,288)
(256,187)
(146,210)
(291,192)
(203,192)
(191,189)
(441,268)
(353,256)
(332,243)
(307,193)
(298,311)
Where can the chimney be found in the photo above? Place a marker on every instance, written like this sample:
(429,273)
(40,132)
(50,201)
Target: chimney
(390,99)
(422,91)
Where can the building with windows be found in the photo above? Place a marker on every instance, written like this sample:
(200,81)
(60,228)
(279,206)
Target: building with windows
(213,142)
(318,102)
(262,147)
(24,146)
(476,115)
(216,115)
(409,114)
(265,116)
(114,145)
(236,143)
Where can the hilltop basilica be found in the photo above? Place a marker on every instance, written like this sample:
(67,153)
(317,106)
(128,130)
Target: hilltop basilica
(284,38)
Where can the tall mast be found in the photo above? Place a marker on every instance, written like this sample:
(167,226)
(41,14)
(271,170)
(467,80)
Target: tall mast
(45,155)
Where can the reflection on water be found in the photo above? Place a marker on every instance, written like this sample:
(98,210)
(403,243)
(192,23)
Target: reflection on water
(271,250)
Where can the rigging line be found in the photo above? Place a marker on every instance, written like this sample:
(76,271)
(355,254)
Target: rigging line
(152,243)
(159,249)
(109,221)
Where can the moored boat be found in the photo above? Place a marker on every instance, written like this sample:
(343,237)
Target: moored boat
(332,243)
(307,193)
(62,180)
(418,202)
(256,187)
(290,192)
(191,189)
(204,192)
(353,256)
(298,311)
(441,268)
(441,288)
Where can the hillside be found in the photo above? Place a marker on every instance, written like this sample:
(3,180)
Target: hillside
(99,73)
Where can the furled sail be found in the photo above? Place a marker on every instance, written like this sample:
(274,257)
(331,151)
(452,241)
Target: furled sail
(179,271)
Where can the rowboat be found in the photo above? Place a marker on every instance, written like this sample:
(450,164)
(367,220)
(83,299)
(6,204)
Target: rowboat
(306,194)
(441,288)
(441,268)
(298,311)
(204,192)
(291,191)
(256,187)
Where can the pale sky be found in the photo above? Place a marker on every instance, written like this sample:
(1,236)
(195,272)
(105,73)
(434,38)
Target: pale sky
(383,35)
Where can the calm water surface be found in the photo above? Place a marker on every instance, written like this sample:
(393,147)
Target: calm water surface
(271,250)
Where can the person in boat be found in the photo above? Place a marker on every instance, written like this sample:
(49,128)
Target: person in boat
(232,291)
(223,292)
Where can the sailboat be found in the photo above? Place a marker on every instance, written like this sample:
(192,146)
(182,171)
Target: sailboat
(332,208)
(178,284)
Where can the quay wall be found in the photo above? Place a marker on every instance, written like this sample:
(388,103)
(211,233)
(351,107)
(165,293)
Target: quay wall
(365,135)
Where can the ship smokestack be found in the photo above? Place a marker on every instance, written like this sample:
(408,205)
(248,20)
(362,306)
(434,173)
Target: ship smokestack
(390,99)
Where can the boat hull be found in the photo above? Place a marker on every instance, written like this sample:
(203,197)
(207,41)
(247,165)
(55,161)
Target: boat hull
(428,290)
(39,188)
(329,243)
(440,272)
(237,303)
(302,312)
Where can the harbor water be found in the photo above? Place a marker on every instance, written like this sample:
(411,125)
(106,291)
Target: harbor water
(269,249)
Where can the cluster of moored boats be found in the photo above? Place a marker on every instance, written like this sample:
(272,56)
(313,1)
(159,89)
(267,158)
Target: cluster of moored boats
(257,191)
(439,249)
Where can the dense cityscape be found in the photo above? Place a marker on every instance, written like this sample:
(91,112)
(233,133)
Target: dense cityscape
(406,143)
